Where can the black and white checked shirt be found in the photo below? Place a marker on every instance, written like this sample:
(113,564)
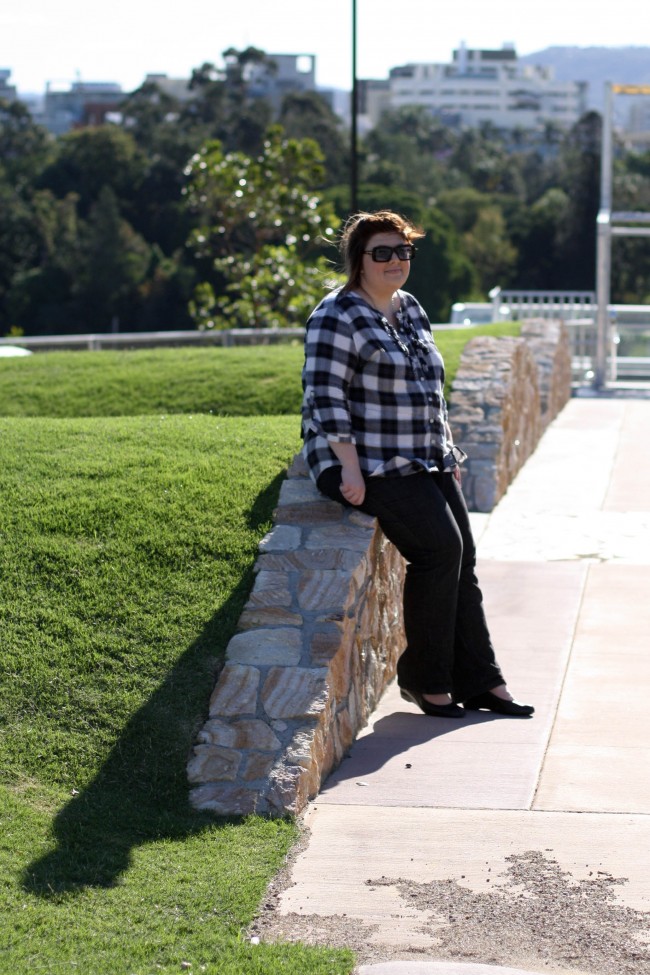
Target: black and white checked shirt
(374,385)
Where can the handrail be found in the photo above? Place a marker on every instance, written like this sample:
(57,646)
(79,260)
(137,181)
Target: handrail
(116,340)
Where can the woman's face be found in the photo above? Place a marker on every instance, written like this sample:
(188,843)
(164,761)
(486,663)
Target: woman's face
(388,276)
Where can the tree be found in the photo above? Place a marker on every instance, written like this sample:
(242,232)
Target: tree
(89,160)
(150,115)
(24,146)
(488,247)
(39,289)
(19,247)
(535,234)
(580,178)
(115,263)
(260,221)
(224,106)
(407,148)
(440,273)
(306,115)
(463,205)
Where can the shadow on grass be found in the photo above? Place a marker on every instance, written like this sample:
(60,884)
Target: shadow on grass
(140,794)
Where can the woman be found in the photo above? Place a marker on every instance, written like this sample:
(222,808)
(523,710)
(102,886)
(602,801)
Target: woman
(377,438)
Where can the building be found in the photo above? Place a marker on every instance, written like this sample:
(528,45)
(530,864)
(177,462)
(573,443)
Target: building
(635,132)
(283,74)
(177,88)
(7,91)
(482,86)
(373,98)
(79,104)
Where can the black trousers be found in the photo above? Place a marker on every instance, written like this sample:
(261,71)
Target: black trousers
(448,645)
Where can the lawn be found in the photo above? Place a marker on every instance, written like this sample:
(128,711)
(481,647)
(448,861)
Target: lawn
(251,381)
(127,546)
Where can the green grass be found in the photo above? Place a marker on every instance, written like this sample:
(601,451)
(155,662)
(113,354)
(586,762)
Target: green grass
(127,545)
(256,381)
(126,548)
(253,381)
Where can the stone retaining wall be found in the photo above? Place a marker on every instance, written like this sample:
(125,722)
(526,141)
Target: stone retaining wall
(320,635)
(505,393)
(319,640)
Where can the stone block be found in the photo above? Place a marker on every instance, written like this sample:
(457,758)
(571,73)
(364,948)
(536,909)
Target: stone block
(306,748)
(295,692)
(310,512)
(323,588)
(267,647)
(345,732)
(297,490)
(361,575)
(481,451)
(285,795)
(484,493)
(257,766)
(296,561)
(270,589)
(463,413)
(212,763)
(261,616)
(491,434)
(236,691)
(356,538)
(227,800)
(281,539)
(298,467)
(361,519)
(250,733)
(340,673)
(325,643)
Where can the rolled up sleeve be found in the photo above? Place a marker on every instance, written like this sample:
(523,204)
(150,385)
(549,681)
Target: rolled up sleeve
(330,363)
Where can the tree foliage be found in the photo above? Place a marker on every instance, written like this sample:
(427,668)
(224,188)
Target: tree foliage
(95,225)
(258,220)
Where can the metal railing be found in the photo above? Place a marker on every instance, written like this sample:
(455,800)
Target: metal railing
(133,340)
(566,305)
(579,311)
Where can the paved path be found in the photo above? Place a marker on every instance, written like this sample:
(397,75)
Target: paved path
(452,847)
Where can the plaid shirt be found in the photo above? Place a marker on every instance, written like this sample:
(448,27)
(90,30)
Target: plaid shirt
(374,385)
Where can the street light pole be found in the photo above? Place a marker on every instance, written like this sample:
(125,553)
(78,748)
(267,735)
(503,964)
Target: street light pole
(604,246)
(353,126)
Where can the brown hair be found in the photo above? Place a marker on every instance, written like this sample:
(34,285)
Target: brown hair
(358,230)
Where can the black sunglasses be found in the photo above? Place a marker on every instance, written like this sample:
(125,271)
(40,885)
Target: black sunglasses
(383,253)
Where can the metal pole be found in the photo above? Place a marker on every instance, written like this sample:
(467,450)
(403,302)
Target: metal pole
(354,109)
(604,245)
(606,152)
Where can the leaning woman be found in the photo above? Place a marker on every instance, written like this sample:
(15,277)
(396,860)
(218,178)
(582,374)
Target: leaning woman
(377,437)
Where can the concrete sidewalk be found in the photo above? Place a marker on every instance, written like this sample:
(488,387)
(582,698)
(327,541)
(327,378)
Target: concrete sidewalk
(501,845)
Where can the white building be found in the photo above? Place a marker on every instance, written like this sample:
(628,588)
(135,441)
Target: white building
(484,86)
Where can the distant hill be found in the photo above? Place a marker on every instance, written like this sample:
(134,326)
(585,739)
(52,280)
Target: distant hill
(596,66)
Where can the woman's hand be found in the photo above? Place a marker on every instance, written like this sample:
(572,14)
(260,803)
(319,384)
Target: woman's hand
(353,486)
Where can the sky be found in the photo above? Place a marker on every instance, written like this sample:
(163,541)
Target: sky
(60,41)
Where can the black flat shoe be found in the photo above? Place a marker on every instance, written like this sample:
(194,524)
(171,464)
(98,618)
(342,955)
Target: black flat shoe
(436,710)
(490,702)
